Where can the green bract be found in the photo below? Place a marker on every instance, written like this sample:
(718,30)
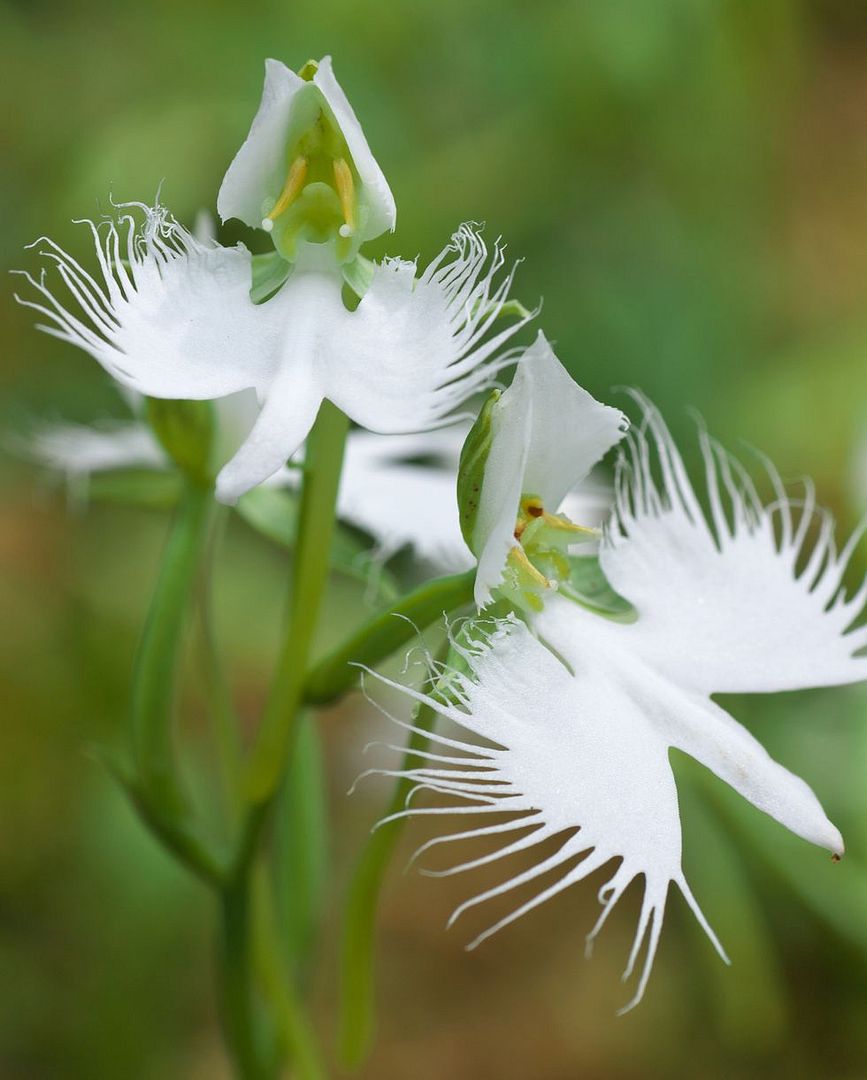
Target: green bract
(185,430)
(471,470)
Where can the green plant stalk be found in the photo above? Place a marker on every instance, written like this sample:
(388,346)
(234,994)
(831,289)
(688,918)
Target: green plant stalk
(295,1038)
(253,1058)
(273,746)
(357,997)
(156,785)
(386,633)
(299,852)
(322,469)
(227,735)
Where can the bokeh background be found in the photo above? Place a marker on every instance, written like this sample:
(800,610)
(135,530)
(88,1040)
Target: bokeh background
(686,181)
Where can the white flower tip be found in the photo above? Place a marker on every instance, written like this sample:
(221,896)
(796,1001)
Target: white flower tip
(267,224)
(346,231)
(226,491)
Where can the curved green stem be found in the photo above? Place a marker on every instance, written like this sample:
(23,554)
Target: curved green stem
(156,785)
(385,633)
(357,998)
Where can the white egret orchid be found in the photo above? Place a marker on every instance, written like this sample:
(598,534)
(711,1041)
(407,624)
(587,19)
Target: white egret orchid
(578,711)
(171,315)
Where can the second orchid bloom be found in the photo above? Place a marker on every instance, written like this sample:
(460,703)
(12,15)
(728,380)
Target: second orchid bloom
(577,708)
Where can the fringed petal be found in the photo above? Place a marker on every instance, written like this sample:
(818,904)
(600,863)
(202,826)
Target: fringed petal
(166,315)
(578,760)
(746,597)
(415,350)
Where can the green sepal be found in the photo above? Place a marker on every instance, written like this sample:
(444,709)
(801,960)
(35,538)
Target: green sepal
(588,585)
(274,514)
(471,469)
(358,274)
(185,430)
(270,272)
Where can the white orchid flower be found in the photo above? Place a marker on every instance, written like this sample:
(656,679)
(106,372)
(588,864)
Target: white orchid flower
(170,315)
(578,712)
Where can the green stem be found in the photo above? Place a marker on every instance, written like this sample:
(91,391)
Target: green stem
(294,1033)
(156,785)
(217,691)
(273,746)
(323,465)
(385,633)
(244,1034)
(357,998)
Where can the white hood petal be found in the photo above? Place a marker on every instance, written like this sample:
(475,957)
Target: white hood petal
(167,316)
(381,209)
(260,166)
(548,433)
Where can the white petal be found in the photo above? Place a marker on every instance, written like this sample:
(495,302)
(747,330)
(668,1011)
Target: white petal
(310,313)
(379,201)
(78,451)
(287,415)
(548,433)
(413,351)
(575,753)
(571,430)
(259,168)
(502,485)
(167,316)
(744,602)
(402,503)
(686,720)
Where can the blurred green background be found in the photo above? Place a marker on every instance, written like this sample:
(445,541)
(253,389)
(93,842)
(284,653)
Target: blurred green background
(686,181)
